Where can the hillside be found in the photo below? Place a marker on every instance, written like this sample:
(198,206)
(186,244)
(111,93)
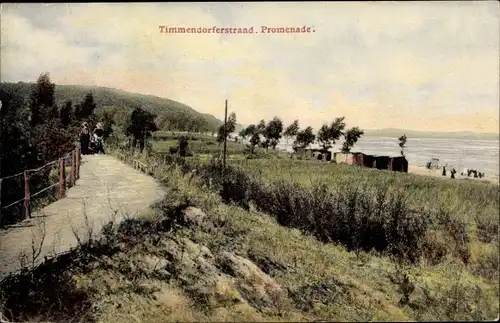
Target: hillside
(467,135)
(108,97)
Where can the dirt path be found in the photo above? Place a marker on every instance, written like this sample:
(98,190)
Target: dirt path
(106,187)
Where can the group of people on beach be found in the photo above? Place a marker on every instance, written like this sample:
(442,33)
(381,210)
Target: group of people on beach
(91,142)
(467,172)
(474,172)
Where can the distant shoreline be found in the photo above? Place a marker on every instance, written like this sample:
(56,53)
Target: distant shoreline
(458,135)
(433,138)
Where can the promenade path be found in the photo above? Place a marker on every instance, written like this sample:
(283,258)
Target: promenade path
(107,190)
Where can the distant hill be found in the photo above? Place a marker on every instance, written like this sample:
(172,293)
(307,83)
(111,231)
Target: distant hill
(467,135)
(109,97)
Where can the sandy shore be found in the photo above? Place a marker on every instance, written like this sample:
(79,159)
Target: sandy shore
(419,170)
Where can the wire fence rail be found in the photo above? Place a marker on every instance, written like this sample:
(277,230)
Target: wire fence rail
(64,181)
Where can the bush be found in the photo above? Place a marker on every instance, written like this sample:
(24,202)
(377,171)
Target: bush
(357,219)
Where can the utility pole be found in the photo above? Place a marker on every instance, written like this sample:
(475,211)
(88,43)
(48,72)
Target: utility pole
(224,186)
(225,137)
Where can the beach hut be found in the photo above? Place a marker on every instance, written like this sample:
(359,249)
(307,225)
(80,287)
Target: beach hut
(341,158)
(357,159)
(364,160)
(398,164)
(381,162)
(327,155)
(321,154)
(299,152)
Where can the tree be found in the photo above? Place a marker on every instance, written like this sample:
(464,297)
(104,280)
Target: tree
(48,138)
(203,125)
(107,120)
(140,126)
(254,140)
(261,126)
(42,102)
(402,143)
(243,133)
(66,114)
(85,110)
(328,135)
(351,137)
(273,131)
(251,130)
(183,146)
(305,137)
(291,131)
(224,131)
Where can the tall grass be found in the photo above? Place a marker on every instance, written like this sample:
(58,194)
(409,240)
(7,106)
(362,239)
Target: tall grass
(408,216)
(470,201)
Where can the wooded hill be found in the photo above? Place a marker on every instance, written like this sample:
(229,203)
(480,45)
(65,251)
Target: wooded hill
(171,114)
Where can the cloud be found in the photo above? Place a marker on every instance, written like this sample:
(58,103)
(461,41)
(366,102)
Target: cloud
(417,65)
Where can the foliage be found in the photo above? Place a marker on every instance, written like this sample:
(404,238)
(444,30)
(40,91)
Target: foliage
(183,146)
(328,135)
(66,114)
(106,118)
(243,133)
(273,131)
(254,140)
(85,110)
(176,116)
(42,104)
(33,133)
(351,137)
(305,137)
(250,130)
(402,143)
(292,130)
(261,126)
(140,127)
(224,130)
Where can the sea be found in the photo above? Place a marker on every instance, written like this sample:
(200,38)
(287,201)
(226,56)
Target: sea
(482,155)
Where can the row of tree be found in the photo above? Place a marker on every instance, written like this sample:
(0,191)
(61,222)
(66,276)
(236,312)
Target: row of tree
(269,134)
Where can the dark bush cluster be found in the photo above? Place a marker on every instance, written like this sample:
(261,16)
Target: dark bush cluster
(358,219)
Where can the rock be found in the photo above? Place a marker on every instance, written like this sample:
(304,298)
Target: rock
(153,263)
(193,216)
(260,288)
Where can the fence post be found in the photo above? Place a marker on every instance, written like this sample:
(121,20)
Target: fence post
(78,162)
(62,178)
(72,175)
(27,211)
(0,199)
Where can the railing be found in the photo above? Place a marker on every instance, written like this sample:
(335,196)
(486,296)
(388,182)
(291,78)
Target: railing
(136,163)
(141,166)
(65,181)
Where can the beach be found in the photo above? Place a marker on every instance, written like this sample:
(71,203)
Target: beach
(419,170)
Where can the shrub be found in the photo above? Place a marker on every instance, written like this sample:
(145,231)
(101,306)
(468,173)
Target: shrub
(355,218)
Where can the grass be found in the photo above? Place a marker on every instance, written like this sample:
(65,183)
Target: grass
(353,205)
(277,246)
(469,199)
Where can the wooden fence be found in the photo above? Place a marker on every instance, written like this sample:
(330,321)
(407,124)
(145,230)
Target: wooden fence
(65,181)
(136,163)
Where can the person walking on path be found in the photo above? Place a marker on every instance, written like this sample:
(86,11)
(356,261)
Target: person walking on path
(98,138)
(85,139)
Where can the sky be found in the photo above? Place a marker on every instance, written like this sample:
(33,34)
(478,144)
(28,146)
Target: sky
(429,66)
